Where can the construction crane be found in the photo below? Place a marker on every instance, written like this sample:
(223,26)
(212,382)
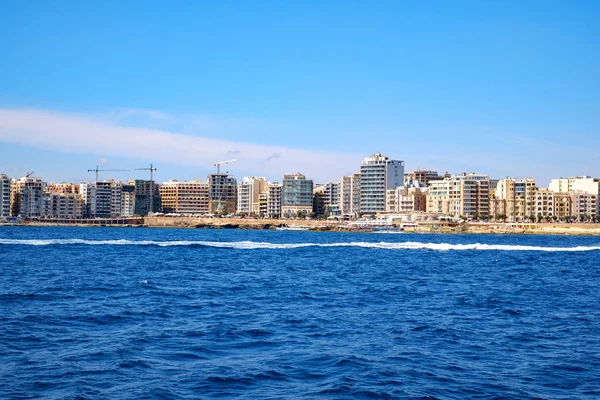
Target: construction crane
(151,169)
(222,188)
(29,174)
(218,164)
(104,170)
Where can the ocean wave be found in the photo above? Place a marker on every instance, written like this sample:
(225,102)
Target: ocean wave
(248,245)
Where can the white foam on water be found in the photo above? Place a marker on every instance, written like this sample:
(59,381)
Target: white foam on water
(247,245)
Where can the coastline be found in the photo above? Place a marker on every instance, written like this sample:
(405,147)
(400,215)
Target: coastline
(334,226)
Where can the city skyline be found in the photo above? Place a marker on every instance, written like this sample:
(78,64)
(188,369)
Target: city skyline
(505,89)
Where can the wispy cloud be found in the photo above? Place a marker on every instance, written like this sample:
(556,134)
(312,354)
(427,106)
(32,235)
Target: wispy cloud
(82,134)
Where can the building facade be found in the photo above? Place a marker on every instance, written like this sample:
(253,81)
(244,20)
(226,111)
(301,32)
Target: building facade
(4,196)
(378,175)
(519,196)
(27,197)
(274,198)
(297,195)
(248,194)
(460,195)
(223,193)
(185,197)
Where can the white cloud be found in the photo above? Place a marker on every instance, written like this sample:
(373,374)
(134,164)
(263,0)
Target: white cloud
(80,134)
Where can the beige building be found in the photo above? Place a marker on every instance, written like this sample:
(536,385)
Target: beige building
(248,194)
(26,197)
(460,195)
(274,200)
(64,205)
(519,196)
(349,195)
(403,200)
(185,197)
(584,206)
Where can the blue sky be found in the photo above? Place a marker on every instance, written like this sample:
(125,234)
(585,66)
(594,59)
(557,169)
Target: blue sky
(504,88)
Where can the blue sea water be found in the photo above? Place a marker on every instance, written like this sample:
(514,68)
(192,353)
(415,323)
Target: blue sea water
(95,313)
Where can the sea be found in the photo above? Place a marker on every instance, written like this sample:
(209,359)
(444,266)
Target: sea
(140,313)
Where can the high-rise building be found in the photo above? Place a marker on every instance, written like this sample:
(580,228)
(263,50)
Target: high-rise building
(144,191)
(223,193)
(297,195)
(460,195)
(378,174)
(63,205)
(520,197)
(274,200)
(27,197)
(4,196)
(102,199)
(128,200)
(248,194)
(185,197)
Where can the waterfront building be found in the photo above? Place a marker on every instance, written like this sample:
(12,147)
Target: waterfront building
(319,204)
(584,206)
(67,205)
(185,197)
(26,197)
(406,200)
(248,194)
(144,191)
(102,199)
(128,197)
(332,193)
(460,195)
(297,195)
(223,193)
(274,197)
(378,174)
(545,206)
(263,203)
(4,195)
(520,197)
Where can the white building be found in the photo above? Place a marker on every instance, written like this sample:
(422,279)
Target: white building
(378,175)
(248,194)
(4,196)
(585,184)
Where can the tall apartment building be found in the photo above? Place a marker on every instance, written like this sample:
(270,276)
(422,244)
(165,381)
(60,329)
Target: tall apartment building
(464,194)
(102,199)
(145,190)
(4,196)
(349,194)
(128,200)
(274,197)
(63,188)
(584,206)
(332,193)
(26,197)
(378,174)
(67,205)
(223,193)
(519,196)
(248,194)
(297,195)
(185,197)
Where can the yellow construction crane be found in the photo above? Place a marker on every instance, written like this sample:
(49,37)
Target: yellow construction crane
(218,164)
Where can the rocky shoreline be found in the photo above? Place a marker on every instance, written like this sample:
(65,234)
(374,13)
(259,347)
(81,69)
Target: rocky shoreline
(334,226)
